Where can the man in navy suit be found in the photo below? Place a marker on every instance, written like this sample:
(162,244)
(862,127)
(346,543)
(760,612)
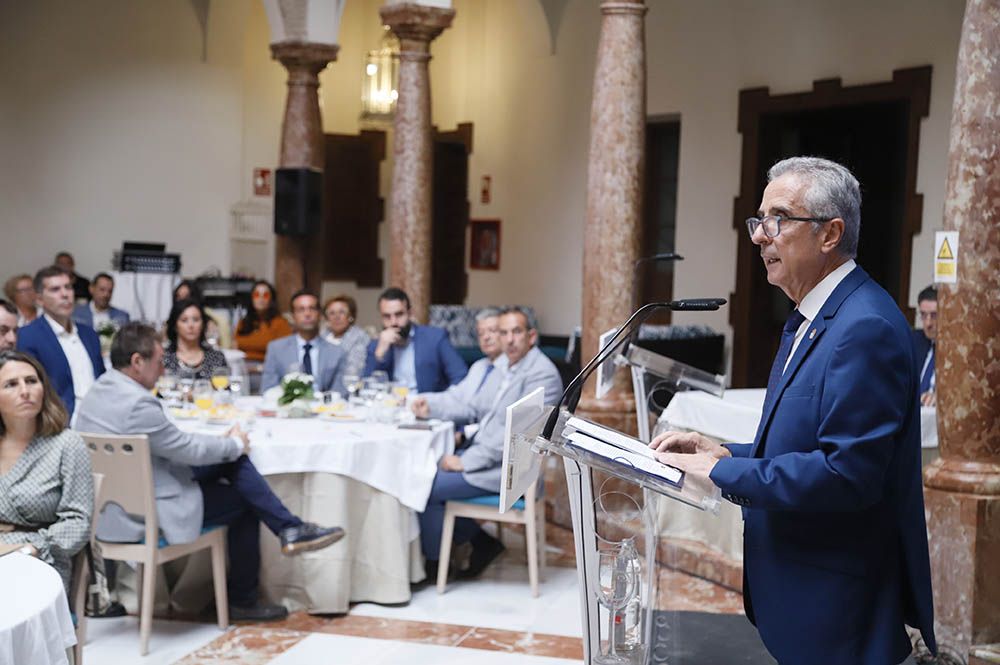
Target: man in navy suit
(70,353)
(98,312)
(419,357)
(834,539)
(925,341)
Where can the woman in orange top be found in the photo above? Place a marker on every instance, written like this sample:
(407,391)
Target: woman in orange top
(262,324)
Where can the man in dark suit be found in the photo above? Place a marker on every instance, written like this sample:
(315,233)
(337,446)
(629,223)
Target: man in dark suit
(835,544)
(80,284)
(8,325)
(924,341)
(98,313)
(70,353)
(419,357)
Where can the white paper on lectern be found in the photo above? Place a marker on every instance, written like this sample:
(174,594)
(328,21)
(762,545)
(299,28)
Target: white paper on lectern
(606,370)
(519,469)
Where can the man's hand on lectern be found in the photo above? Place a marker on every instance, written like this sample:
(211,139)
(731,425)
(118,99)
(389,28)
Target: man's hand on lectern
(697,464)
(688,443)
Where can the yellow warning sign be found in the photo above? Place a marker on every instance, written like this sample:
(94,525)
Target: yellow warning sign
(945,251)
(946,257)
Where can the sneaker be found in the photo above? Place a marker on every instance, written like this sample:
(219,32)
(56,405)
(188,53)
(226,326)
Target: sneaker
(257,612)
(307,537)
(485,549)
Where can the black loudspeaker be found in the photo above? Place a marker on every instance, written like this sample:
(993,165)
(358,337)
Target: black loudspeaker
(298,201)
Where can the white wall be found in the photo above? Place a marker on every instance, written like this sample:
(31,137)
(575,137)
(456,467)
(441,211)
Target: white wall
(111,126)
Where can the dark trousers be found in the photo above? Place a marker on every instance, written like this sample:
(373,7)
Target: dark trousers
(448,485)
(237,496)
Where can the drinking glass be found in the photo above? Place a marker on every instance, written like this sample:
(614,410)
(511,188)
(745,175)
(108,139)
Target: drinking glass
(616,583)
(236,385)
(202,393)
(352,384)
(220,378)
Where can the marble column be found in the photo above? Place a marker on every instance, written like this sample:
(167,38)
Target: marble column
(301,146)
(962,488)
(409,211)
(614,196)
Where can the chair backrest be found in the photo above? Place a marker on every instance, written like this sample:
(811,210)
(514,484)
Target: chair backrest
(124,463)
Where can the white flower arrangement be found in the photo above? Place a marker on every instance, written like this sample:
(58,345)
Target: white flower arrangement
(296,386)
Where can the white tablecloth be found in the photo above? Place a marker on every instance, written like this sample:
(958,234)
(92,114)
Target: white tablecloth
(146,296)
(734,417)
(35,623)
(370,479)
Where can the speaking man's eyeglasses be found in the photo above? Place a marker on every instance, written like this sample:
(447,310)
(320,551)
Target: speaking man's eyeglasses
(772,223)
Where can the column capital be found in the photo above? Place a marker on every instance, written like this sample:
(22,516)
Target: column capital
(637,7)
(295,54)
(416,23)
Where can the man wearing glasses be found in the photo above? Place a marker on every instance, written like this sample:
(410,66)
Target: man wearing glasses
(925,340)
(835,543)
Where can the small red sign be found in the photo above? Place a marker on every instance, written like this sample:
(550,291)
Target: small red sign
(261,182)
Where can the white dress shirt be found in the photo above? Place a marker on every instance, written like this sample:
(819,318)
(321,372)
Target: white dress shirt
(313,354)
(100,319)
(813,302)
(76,354)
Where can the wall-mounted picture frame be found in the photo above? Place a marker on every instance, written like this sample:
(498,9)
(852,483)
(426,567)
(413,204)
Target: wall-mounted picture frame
(484,241)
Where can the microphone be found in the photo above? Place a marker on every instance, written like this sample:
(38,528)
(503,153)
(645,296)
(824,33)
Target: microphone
(571,396)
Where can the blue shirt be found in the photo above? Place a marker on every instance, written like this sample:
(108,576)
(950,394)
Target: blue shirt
(404,362)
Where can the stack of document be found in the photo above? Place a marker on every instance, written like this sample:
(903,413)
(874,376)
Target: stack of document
(617,447)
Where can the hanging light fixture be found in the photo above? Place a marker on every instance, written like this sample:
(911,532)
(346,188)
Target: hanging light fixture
(379,86)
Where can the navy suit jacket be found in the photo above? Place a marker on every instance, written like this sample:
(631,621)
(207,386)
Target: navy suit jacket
(38,339)
(83,315)
(835,542)
(437,362)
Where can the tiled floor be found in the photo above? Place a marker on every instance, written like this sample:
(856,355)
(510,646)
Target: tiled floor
(490,621)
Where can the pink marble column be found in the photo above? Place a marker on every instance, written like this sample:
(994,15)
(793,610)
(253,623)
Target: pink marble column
(301,146)
(409,212)
(963,486)
(614,195)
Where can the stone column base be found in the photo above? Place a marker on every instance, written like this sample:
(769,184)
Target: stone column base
(964,535)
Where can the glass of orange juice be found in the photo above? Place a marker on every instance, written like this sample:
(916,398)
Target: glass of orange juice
(202,393)
(400,392)
(220,378)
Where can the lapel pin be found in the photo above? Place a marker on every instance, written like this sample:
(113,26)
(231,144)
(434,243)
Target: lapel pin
(812,333)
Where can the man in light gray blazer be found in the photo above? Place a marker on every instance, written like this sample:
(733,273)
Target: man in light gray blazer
(305,350)
(457,402)
(475,471)
(199,480)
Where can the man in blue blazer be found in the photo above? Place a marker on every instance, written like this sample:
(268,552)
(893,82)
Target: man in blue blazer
(305,350)
(835,542)
(925,340)
(99,312)
(70,353)
(419,357)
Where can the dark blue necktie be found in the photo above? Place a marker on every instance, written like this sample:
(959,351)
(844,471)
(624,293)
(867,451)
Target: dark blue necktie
(795,319)
(307,361)
(925,379)
(489,368)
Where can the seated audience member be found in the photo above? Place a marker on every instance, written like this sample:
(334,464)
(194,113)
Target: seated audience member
(263,323)
(456,403)
(70,353)
(199,480)
(217,328)
(98,313)
(80,284)
(475,471)
(47,495)
(8,326)
(340,312)
(189,354)
(20,291)
(925,342)
(304,351)
(418,357)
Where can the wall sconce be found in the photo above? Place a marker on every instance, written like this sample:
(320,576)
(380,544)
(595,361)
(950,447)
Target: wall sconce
(379,89)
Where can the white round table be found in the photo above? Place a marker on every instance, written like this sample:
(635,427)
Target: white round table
(35,623)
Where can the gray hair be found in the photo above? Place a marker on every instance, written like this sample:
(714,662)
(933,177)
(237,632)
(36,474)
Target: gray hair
(831,191)
(529,317)
(487,313)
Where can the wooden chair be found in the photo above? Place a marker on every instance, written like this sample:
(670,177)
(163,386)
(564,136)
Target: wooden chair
(81,578)
(529,511)
(124,462)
